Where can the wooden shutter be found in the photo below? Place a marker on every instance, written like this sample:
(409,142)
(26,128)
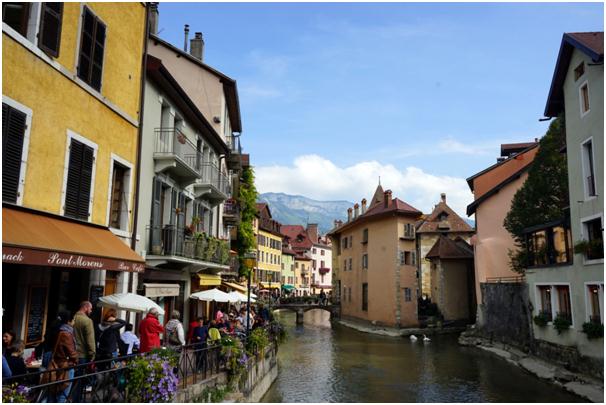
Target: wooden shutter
(50,28)
(13,132)
(92,47)
(156,216)
(79,178)
(16,16)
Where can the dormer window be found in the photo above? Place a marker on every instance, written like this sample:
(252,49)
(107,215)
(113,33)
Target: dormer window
(579,71)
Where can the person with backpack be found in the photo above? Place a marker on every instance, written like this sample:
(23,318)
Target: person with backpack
(174,333)
(108,335)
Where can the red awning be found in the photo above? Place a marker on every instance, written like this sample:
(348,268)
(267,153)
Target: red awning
(37,238)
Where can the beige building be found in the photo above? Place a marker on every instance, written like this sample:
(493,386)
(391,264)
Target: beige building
(442,221)
(375,270)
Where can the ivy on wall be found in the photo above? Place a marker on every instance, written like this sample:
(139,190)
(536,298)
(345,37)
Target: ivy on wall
(248,210)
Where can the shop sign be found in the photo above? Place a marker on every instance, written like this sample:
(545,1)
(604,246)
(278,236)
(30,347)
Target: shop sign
(60,259)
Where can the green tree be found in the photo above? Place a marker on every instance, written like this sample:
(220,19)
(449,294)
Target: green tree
(544,195)
(248,210)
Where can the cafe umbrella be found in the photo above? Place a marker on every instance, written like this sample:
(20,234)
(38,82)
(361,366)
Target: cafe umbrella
(129,302)
(213,295)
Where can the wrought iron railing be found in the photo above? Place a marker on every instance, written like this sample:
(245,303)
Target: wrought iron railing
(210,174)
(170,240)
(171,141)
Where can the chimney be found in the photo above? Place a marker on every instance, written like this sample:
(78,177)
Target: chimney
(186,37)
(349,210)
(197,46)
(312,232)
(443,195)
(363,205)
(356,210)
(387,199)
(154,16)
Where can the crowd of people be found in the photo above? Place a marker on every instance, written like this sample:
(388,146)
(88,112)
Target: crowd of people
(74,340)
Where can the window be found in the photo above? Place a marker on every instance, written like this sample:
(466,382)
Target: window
(549,245)
(588,170)
(79,180)
(350,240)
(413,258)
(365,236)
(545,301)
(345,265)
(350,263)
(364,296)
(313,264)
(314,251)
(402,258)
(92,48)
(344,243)
(592,229)
(49,38)
(321,252)
(579,71)
(118,211)
(322,264)
(584,98)
(13,135)
(365,261)
(564,309)
(344,293)
(409,231)
(16,16)
(594,307)
(407,294)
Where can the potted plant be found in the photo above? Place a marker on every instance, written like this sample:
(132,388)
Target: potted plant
(593,330)
(541,319)
(562,322)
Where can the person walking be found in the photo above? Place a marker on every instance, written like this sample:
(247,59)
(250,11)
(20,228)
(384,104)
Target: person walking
(84,332)
(322,297)
(64,355)
(149,331)
(109,333)
(175,335)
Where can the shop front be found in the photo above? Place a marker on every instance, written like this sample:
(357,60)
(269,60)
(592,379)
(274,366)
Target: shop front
(52,263)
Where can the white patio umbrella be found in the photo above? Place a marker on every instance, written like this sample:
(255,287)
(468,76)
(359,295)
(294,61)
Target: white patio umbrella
(240,297)
(129,302)
(212,295)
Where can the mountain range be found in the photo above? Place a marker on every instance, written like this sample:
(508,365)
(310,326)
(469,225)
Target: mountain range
(300,210)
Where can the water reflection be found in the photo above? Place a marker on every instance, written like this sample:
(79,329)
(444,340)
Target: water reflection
(324,363)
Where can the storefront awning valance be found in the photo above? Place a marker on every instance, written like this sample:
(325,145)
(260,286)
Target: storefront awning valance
(161,290)
(41,239)
(209,279)
(270,286)
(288,287)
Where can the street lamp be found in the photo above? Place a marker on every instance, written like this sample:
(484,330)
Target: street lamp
(250,259)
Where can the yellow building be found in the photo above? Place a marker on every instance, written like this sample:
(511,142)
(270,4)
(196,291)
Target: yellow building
(71,97)
(269,250)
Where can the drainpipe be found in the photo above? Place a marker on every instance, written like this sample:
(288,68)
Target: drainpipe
(133,241)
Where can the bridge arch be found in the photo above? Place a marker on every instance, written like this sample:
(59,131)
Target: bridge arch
(300,309)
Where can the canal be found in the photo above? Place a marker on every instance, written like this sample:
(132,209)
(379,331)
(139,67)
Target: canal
(321,362)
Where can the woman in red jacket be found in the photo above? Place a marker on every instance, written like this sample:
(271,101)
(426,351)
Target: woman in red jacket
(149,331)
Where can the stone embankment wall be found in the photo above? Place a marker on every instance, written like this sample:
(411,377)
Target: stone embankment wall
(504,315)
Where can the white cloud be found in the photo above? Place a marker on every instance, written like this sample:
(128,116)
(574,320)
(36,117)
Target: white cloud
(318,178)
(256,91)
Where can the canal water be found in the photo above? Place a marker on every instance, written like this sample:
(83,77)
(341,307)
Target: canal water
(321,362)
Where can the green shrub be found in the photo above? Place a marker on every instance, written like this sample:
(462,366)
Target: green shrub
(561,323)
(213,394)
(541,319)
(593,330)
(235,359)
(257,341)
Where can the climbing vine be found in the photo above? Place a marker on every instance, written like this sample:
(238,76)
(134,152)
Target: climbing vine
(248,210)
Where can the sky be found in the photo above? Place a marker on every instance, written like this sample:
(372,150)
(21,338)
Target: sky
(334,95)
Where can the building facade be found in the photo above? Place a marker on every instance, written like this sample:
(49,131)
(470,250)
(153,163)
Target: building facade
(269,250)
(71,98)
(569,283)
(377,262)
(493,190)
(287,273)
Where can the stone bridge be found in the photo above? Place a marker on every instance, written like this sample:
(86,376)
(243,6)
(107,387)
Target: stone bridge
(300,309)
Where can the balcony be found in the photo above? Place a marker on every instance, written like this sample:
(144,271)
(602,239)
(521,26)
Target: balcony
(176,155)
(212,185)
(171,244)
(231,212)
(234,159)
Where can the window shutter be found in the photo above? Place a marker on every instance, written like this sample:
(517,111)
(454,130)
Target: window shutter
(13,132)
(50,28)
(79,178)
(156,216)
(92,47)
